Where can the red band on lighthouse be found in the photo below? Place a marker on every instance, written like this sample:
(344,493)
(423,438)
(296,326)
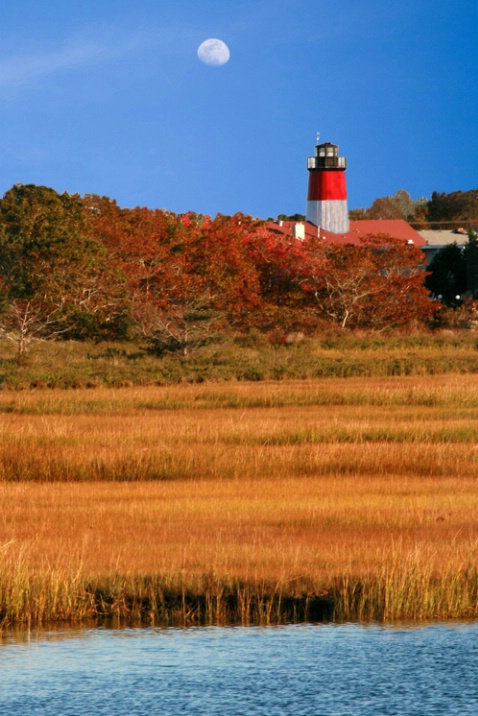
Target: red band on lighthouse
(326,186)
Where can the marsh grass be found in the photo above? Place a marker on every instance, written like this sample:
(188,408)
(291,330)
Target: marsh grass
(423,426)
(241,551)
(69,364)
(402,592)
(239,503)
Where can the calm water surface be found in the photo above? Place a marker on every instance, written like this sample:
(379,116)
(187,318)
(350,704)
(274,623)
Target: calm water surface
(344,670)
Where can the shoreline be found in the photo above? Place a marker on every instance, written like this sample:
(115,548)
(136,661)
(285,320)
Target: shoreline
(150,601)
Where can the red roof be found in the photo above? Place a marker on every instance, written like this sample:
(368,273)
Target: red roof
(395,228)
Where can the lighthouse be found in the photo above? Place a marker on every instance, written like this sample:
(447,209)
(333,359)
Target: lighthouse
(327,193)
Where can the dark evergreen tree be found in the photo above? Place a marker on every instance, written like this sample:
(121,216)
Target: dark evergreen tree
(447,278)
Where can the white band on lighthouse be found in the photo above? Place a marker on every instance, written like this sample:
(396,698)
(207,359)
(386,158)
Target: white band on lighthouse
(331,215)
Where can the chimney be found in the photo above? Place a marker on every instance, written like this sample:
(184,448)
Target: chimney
(298,230)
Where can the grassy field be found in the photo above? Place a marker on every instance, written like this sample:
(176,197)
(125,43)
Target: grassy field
(215,503)
(70,364)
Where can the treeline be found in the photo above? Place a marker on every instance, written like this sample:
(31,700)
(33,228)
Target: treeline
(84,268)
(443,211)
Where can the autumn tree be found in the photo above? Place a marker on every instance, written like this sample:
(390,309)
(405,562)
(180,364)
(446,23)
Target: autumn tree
(341,281)
(281,263)
(357,214)
(399,273)
(53,276)
(459,208)
(138,241)
(378,284)
(231,274)
(397,206)
(189,276)
(179,303)
(209,285)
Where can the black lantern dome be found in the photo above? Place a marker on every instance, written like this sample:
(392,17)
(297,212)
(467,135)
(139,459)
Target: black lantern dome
(326,157)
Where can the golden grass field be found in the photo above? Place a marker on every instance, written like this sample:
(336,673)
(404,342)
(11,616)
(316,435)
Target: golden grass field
(339,498)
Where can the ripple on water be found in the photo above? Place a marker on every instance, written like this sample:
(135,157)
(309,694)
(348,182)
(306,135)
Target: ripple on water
(326,670)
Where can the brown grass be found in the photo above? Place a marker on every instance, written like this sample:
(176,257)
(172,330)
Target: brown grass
(203,504)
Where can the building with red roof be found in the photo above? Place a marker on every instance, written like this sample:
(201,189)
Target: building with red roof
(393,228)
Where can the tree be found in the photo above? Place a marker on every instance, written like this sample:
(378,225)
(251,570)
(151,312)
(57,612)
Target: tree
(452,210)
(52,273)
(447,274)
(178,309)
(342,285)
(403,298)
(398,206)
(189,276)
(379,284)
(471,258)
(140,243)
(357,214)
(231,274)
(290,217)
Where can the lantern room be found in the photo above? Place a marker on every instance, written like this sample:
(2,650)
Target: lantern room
(326,157)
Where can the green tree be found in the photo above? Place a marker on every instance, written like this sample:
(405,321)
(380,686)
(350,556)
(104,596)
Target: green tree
(447,274)
(290,217)
(53,275)
(460,208)
(471,259)
(357,214)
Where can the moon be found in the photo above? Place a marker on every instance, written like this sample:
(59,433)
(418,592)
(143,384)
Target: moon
(213,52)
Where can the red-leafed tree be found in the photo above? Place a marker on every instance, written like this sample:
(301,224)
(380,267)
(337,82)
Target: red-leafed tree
(232,275)
(282,263)
(176,305)
(148,246)
(378,284)
(189,276)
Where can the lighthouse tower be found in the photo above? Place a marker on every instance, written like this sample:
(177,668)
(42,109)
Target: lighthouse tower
(327,194)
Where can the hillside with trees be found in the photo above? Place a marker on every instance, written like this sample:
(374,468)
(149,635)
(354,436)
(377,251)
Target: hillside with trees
(442,211)
(84,268)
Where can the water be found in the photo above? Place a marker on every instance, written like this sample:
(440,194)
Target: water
(307,670)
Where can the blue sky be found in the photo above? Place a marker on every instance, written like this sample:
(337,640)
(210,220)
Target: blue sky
(109,97)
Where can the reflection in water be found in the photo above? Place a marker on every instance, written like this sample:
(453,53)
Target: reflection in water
(326,670)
